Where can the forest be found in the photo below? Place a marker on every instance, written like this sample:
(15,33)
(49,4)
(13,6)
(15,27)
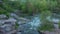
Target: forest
(29,16)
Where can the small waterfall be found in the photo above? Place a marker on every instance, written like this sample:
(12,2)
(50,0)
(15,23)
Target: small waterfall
(35,22)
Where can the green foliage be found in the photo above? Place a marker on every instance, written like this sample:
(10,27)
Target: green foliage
(46,26)
(29,6)
(5,7)
(16,25)
(59,24)
(2,11)
(33,6)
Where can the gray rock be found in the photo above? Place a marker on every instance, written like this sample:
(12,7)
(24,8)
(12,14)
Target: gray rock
(55,20)
(12,32)
(56,26)
(7,27)
(18,33)
(11,21)
(1,22)
(22,22)
(2,16)
(17,17)
(14,16)
(30,32)
(24,27)
(2,31)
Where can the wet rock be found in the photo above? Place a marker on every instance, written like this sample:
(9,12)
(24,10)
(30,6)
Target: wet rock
(55,20)
(14,16)
(17,17)
(7,27)
(11,21)
(24,27)
(21,22)
(2,31)
(1,22)
(2,16)
(30,32)
(12,32)
(18,33)
(56,26)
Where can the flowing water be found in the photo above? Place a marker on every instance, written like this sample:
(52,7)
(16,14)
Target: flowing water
(35,23)
(35,20)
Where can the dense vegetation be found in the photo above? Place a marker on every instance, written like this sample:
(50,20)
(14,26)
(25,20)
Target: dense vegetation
(30,7)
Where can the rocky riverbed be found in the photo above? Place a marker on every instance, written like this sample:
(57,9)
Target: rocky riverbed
(20,25)
(16,25)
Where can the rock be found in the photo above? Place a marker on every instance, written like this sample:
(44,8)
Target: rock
(11,21)
(30,32)
(14,16)
(12,32)
(24,27)
(0,1)
(7,27)
(19,22)
(22,22)
(55,20)
(56,26)
(17,17)
(18,33)
(2,16)
(2,31)
(1,22)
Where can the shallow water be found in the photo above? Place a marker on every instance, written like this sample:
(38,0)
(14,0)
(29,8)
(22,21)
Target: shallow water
(35,23)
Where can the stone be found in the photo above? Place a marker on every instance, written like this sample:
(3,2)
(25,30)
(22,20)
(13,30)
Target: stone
(1,22)
(55,20)
(56,26)
(22,22)
(18,18)
(2,16)
(14,16)
(2,31)
(7,27)
(11,21)
(24,27)
(30,32)
(18,33)
(12,32)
